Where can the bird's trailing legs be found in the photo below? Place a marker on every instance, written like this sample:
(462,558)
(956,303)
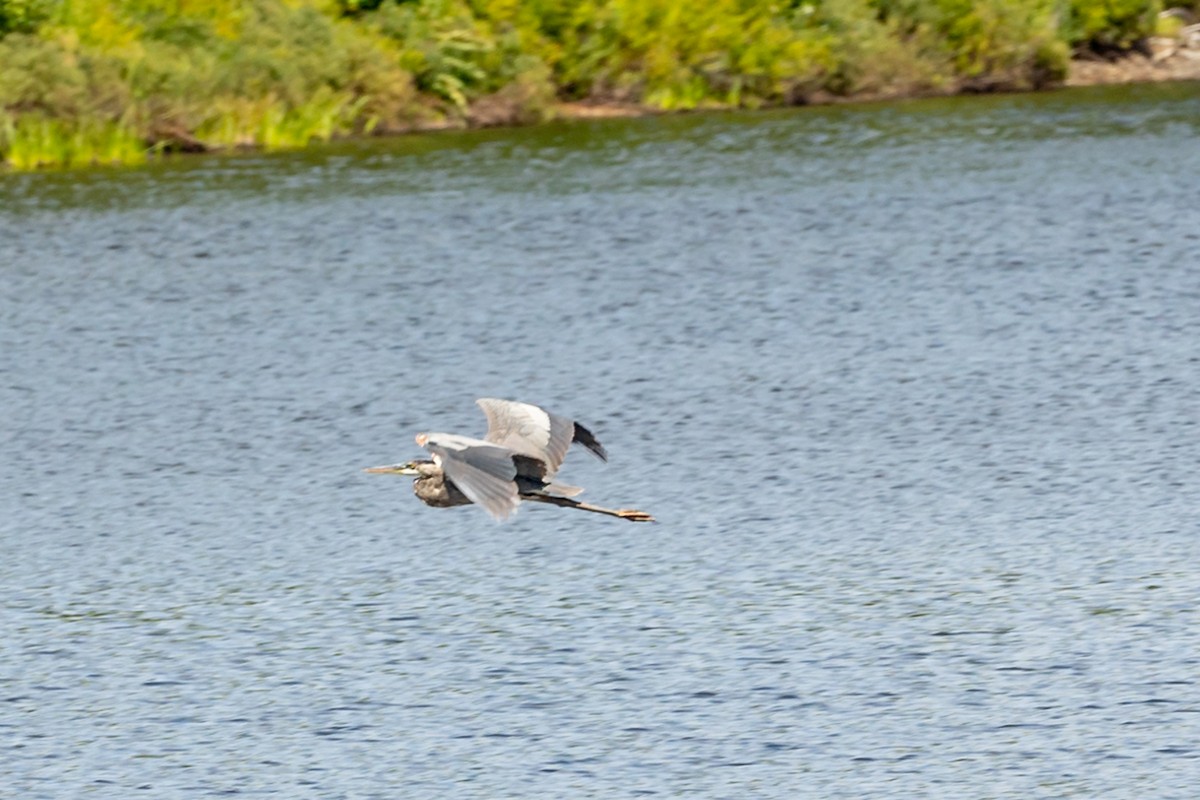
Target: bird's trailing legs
(630,514)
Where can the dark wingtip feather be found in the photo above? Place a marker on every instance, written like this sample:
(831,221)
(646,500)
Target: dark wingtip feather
(585,438)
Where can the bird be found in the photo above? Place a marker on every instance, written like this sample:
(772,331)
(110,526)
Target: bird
(516,460)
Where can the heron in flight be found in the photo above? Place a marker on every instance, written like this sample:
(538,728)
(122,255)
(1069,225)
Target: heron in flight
(516,460)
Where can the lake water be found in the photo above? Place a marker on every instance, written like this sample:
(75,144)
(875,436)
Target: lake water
(912,388)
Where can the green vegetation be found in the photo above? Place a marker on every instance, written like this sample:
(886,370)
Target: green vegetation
(109,81)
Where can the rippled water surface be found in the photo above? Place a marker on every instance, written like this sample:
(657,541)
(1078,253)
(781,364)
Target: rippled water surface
(912,388)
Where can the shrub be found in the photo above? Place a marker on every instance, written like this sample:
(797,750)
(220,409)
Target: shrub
(23,16)
(1110,24)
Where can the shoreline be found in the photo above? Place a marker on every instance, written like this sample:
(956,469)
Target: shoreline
(1176,64)
(1166,62)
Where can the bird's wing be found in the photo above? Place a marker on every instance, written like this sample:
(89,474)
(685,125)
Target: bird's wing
(484,471)
(535,432)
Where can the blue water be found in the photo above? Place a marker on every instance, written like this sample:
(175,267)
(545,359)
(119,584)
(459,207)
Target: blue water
(912,388)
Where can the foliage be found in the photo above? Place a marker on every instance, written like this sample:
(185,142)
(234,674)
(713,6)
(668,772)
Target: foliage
(677,55)
(1009,42)
(1108,24)
(85,81)
(23,16)
(449,52)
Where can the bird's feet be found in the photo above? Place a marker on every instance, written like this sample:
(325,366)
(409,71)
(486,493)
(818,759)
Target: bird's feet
(633,515)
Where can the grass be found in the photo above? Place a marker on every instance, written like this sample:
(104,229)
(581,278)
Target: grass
(35,141)
(274,124)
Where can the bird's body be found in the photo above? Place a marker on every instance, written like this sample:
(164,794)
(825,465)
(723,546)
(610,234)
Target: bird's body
(433,489)
(517,460)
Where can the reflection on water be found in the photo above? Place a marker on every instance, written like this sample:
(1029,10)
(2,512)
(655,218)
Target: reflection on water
(913,389)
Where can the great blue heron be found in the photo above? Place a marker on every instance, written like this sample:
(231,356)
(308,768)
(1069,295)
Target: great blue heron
(516,460)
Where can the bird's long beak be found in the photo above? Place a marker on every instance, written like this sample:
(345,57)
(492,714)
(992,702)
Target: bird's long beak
(393,469)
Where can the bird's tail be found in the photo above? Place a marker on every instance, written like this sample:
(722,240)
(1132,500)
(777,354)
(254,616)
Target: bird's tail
(563,489)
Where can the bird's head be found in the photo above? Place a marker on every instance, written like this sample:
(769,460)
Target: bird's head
(408,468)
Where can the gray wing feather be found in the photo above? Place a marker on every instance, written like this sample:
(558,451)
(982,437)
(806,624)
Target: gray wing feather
(484,471)
(528,430)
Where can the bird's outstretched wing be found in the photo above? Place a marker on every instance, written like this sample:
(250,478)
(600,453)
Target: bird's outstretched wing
(484,471)
(533,431)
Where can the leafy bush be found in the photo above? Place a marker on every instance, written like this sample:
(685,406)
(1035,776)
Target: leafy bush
(679,55)
(882,50)
(23,16)
(1006,42)
(42,76)
(1111,24)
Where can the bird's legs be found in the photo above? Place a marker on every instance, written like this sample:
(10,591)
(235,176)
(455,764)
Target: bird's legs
(624,513)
